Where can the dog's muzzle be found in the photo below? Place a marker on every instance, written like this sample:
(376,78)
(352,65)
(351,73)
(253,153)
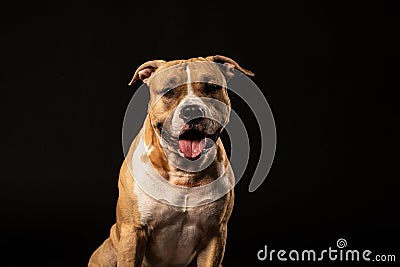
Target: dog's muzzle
(191,111)
(195,137)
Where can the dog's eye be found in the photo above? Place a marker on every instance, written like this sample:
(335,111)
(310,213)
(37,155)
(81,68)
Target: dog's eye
(212,87)
(168,92)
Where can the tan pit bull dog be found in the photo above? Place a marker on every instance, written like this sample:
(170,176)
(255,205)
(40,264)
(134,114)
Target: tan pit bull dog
(176,183)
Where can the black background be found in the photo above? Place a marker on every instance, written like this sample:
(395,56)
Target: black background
(323,68)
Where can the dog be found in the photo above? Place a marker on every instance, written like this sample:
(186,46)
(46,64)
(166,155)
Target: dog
(176,183)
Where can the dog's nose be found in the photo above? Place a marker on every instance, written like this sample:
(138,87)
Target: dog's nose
(191,112)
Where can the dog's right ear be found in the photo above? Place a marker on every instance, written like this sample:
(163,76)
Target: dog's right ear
(146,70)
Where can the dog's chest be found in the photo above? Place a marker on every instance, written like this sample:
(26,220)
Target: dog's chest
(176,232)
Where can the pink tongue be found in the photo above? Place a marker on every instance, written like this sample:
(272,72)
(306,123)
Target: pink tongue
(191,148)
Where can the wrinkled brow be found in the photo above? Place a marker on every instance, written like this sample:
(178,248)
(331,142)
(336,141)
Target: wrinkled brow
(208,78)
(172,82)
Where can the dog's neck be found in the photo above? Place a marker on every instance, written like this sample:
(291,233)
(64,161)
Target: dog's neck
(175,175)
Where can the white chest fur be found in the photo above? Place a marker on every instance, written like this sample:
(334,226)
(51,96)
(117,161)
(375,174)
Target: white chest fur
(175,230)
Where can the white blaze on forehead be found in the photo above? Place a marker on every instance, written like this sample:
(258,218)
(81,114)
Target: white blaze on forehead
(189,81)
(190,99)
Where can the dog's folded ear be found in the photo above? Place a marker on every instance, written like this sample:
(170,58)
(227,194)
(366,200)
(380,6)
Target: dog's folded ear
(146,70)
(229,65)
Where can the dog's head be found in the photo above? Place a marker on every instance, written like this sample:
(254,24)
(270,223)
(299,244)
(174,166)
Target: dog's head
(189,103)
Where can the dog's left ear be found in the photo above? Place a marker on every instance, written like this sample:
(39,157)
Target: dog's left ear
(146,70)
(229,65)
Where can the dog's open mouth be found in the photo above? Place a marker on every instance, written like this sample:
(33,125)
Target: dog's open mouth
(195,137)
(193,142)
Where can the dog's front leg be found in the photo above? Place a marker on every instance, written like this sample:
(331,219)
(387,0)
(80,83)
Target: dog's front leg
(131,246)
(212,254)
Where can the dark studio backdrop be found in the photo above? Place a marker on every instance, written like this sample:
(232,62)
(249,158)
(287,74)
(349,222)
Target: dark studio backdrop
(322,67)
